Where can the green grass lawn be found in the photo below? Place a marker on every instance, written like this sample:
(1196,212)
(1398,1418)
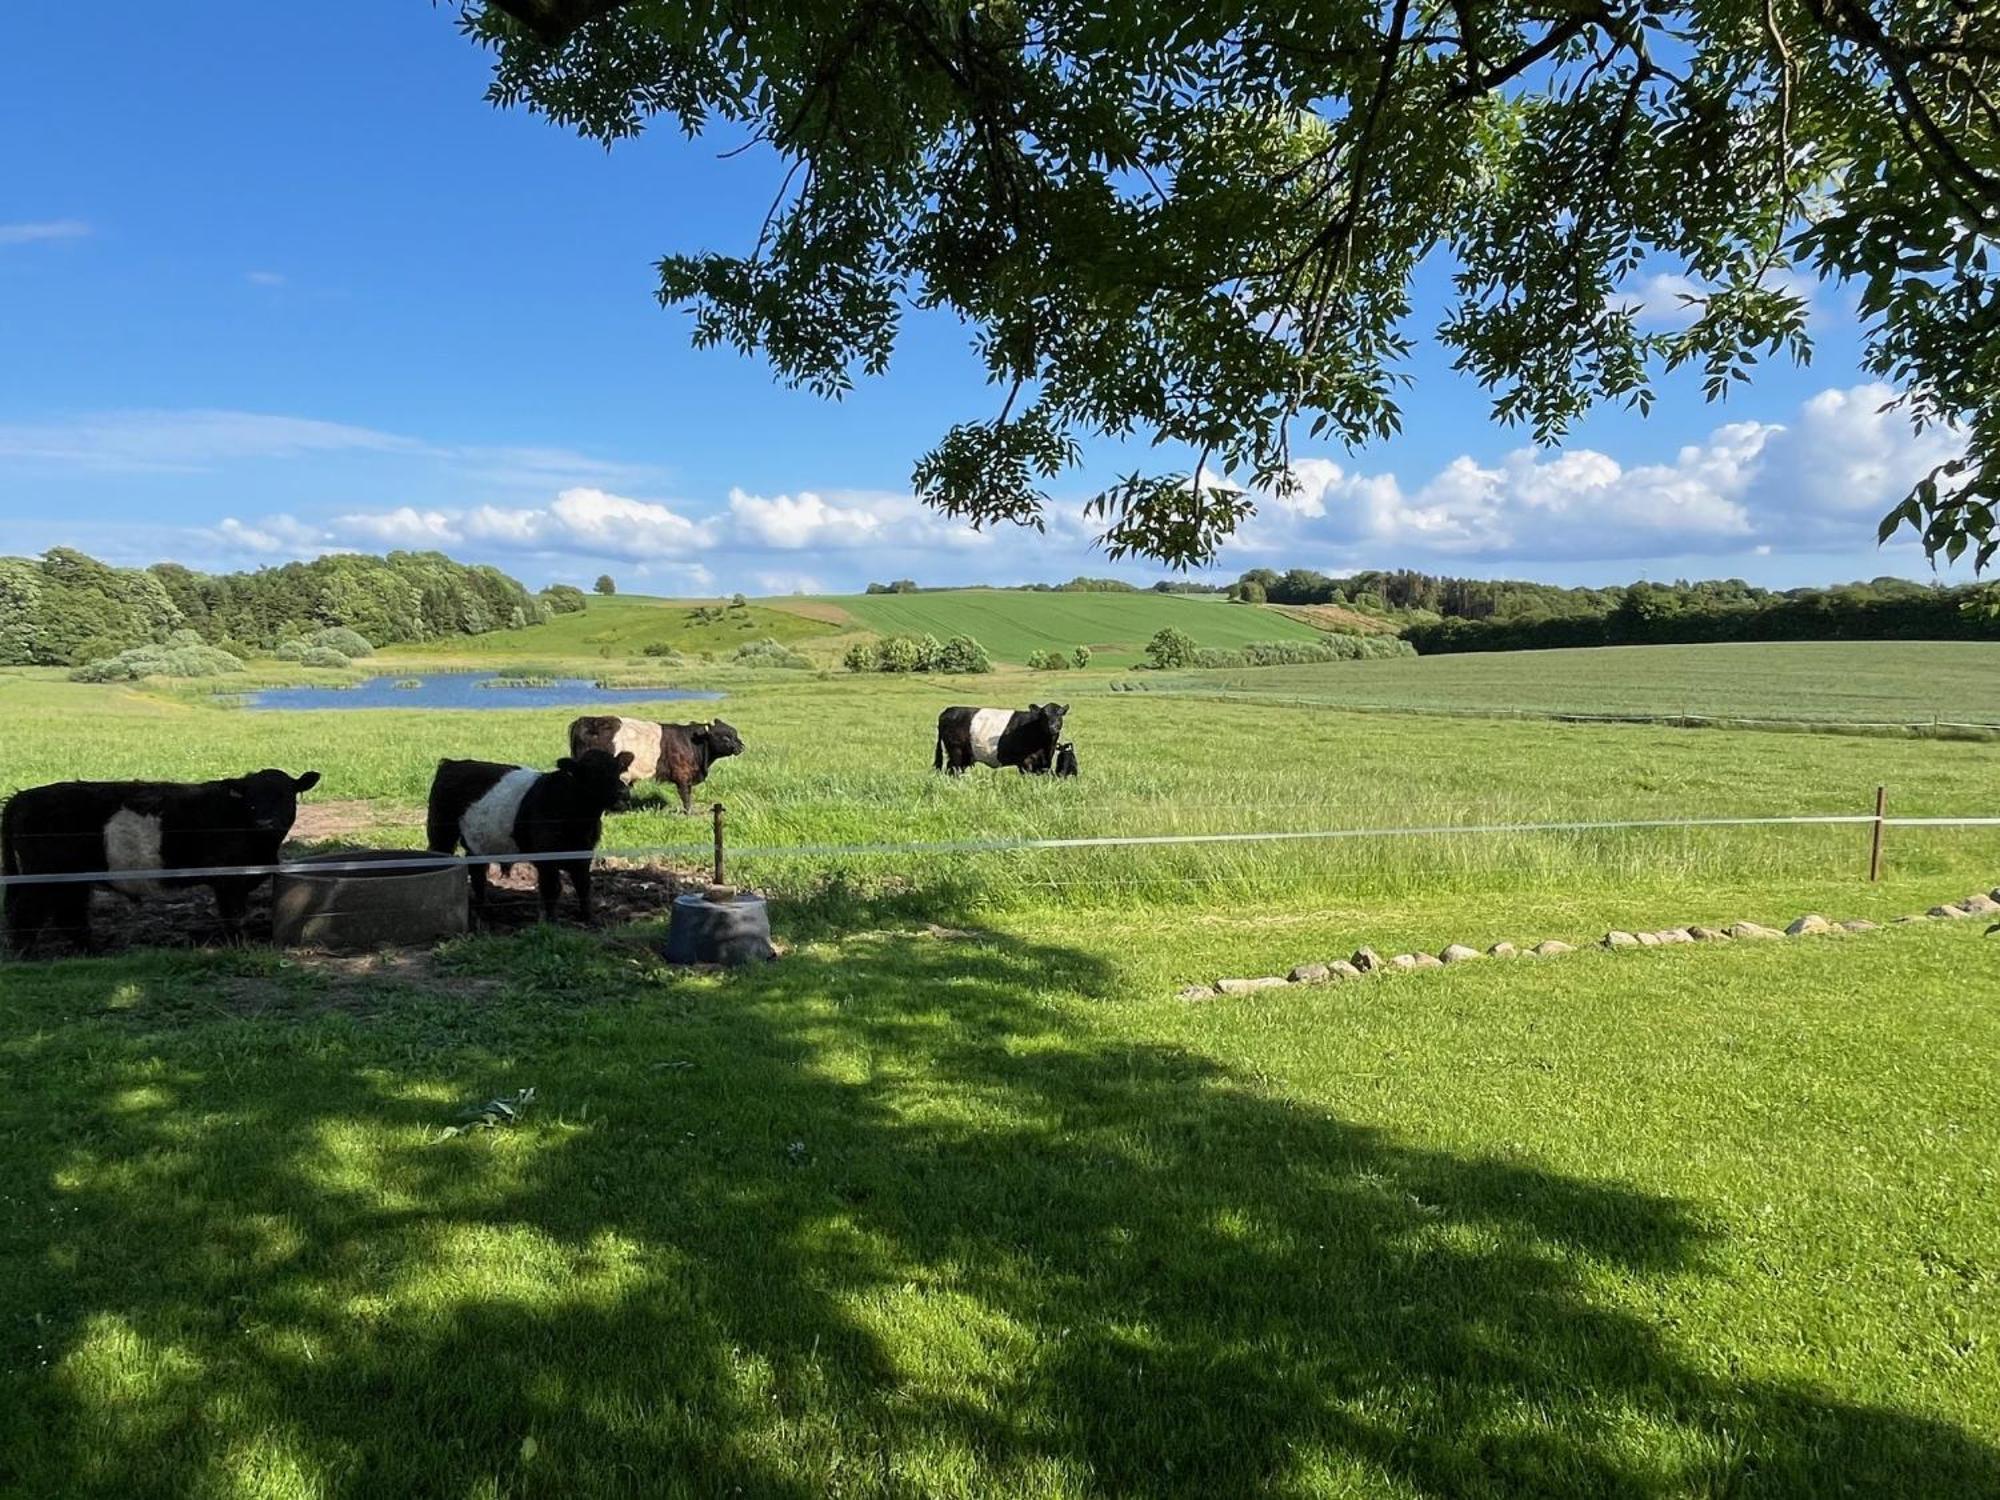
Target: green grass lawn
(621,626)
(1012,625)
(908,1215)
(979,1208)
(1897,681)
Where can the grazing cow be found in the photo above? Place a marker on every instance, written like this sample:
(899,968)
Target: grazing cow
(999,737)
(514,810)
(77,827)
(680,753)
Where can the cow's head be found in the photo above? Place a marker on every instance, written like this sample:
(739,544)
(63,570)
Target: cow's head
(720,739)
(268,800)
(1052,715)
(599,778)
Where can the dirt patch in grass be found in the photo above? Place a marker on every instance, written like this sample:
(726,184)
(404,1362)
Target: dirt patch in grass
(318,822)
(1340,621)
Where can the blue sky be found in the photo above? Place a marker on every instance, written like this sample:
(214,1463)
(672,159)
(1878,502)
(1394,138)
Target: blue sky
(276,279)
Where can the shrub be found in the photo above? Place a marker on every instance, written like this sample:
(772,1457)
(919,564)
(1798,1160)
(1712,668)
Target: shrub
(291,650)
(660,650)
(1303,653)
(183,654)
(898,653)
(323,656)
(340,638)
(930,652)
(1048,661)
(737,601)
(964,655)
(1171,648)
(1080,657)
(563,599)
(768,653)
(861,657)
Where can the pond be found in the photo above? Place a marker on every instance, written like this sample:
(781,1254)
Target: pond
(460,690)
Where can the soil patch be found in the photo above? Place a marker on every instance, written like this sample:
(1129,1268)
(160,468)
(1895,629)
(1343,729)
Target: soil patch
(320,821)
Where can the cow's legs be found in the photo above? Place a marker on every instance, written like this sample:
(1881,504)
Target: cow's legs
(548,885)
(579,880)
(477,874)
(27,914)
(232,898)
(687,796)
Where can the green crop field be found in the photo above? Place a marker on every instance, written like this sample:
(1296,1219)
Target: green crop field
(959,1198)
(1853,681)
(624,625)
(1013,624)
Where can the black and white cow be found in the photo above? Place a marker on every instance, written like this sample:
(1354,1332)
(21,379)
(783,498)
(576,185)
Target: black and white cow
(680,753)
(509,811)
(75,827)
(1026,738)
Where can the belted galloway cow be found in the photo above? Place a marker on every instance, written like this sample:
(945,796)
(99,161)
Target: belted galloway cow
(1024,738)
(680,753)
(508,811)
(146,828)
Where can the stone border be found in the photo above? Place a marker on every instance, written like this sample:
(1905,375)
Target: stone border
(1367,961)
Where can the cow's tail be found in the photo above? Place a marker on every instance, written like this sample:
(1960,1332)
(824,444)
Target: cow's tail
(937,758)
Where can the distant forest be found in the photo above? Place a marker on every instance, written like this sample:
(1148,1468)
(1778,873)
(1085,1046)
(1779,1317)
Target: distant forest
(66,608)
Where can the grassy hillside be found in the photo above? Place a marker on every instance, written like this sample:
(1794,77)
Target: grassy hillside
(625,625)
(1012,625)
(1859,681)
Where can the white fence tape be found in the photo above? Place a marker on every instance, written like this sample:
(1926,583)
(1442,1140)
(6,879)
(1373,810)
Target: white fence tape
(419,860)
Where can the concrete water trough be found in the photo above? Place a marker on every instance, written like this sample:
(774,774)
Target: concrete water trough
(719,924)
(397,906)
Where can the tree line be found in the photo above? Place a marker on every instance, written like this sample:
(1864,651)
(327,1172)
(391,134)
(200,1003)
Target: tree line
(66,608)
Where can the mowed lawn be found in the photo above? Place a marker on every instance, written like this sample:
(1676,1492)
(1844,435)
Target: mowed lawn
(1013,624)
(1852,681)
(975,1214)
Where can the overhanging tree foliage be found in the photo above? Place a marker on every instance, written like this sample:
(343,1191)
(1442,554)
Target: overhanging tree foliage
(1196,221)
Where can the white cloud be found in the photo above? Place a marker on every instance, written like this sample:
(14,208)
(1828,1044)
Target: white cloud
(265,278)
(1847,459)
(185,441)
(272,536)
(1661,300)
(581,521)
(788,583)
(843,521)
(43,230)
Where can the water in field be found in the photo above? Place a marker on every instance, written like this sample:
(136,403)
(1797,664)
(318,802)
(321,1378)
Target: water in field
(460,690)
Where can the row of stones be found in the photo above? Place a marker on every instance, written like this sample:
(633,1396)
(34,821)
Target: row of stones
(1367,961)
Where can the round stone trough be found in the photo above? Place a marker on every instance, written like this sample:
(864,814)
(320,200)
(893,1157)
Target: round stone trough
(719,924)
(399,905)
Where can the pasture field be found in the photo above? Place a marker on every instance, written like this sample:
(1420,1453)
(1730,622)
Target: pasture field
(1013,625)
(1845,681)
(958,1199)
(624,625)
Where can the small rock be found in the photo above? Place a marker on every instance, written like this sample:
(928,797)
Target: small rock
(1503,950)
(1751,930)
(1979,906)
(1427,961)
(1311,974)
(1616,939)
(1366,960)
(1197,992)
(1457,953)
(1247,986)
(1403,961)
(1647,939)
(1807,925)
(1550,948)
(1342,969)
(1673,935)
(1947,913)
(1708,935)
(1857,925)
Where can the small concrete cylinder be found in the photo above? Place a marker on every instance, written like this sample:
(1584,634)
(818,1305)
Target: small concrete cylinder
(735,929)
(358,909)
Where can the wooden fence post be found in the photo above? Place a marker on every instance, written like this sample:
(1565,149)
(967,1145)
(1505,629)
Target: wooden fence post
(1875,842)
(717,809)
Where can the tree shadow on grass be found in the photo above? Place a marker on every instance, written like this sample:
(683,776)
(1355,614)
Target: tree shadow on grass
(882,1220)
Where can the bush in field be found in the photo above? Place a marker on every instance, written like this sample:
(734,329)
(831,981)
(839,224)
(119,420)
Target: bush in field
(660,651)
(898,653)
(1303,653)
(1171,648)
(862,657)
(964,655)
(346,642)
(1080,658)
(930,651)
(183,654)
(563,599)
(323,656)
(1048,661)
(291,650)
(768,653)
